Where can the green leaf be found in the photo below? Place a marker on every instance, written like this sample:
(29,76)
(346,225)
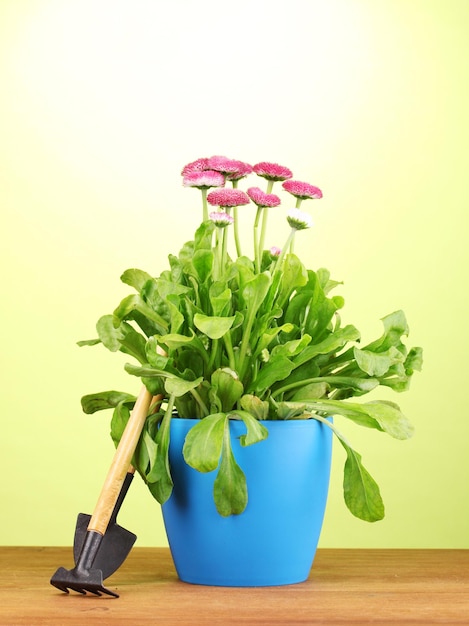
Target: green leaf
(135,303)
(88,342)
(309,369)
(269,335)
(255,406)
(173,303)
(180,263)
(151,296)
(175,340)
(390,418)
(123,338)
(245,271)
(293,275)
(227,387)
(203,444)
(104,400)
(309,391)
(291,410)
(319,317)
(271,372)
(254,292)
(377,364)
(379,414)
(238,321)
(144,370)
(229,489)
(310,309)
(213,326)
(255,430)
(358,384)
(178,386)
(159,477)
(108,333)
(398,377)
(352,411)
(141,457)
(203,263)
(291,348)
(325,281)
(154,385)
(309,387)
(414,361)
(154,358)
(203,235)
(395,325)
(147,326)
(132,342)
(135,278)
(169,288)
(120,417)
(220,298)
(333,342)
(361,492)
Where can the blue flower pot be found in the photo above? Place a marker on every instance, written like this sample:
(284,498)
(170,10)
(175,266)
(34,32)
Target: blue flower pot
(273,542)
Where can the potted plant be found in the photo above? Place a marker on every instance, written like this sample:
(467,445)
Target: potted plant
(252,363)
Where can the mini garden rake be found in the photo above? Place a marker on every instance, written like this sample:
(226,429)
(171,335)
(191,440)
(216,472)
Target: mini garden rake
(100,544)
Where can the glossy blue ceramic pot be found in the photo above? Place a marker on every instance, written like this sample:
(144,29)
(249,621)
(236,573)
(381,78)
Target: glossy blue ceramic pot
(273,542)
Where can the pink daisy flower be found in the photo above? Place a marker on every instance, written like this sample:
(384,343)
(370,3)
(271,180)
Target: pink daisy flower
(300,190)
(233,170)
(274,251)
(244,169)
(227,197)
(272,171)
(263,199)
(221,219)
(195,166)
(299,220)
(203,179)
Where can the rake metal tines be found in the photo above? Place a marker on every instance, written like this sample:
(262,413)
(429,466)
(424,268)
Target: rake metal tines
(65,579)
(82,577)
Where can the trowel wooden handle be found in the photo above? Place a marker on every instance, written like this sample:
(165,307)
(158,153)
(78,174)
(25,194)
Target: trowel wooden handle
(120,463)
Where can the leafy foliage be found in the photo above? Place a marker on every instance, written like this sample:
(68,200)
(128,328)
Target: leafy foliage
(253,341)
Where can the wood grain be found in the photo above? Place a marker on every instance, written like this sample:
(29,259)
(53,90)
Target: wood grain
(345,587)
(120,463)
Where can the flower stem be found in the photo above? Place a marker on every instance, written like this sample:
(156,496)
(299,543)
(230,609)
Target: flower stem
(204,204)
(224,251)
(200,402)
(244,346)
(263,232)
(213,355)
(219,255)
(229,348)
(169,407)
(279,261)
(301,383)
(236,231)
(258,252)
(256,238)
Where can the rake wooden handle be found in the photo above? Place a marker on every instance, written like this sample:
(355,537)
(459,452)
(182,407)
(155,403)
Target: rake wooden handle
(120,463)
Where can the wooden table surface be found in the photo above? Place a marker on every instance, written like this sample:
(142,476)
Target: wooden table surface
(345,587)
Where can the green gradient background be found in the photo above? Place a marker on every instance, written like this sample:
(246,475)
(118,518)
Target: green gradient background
(102,102)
